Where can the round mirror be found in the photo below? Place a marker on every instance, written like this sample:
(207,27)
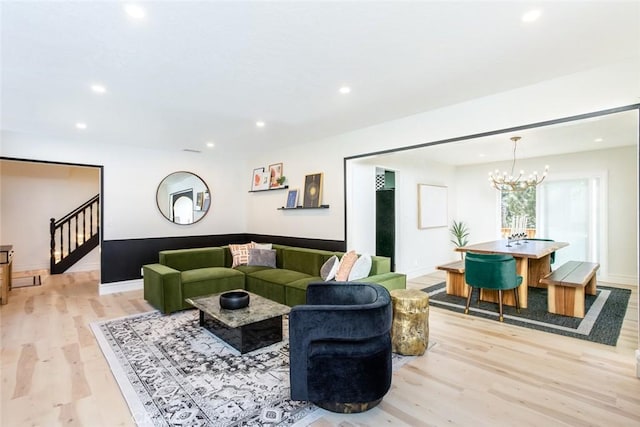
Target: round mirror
(183,198)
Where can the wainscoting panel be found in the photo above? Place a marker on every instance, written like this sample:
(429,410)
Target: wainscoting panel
(122,260)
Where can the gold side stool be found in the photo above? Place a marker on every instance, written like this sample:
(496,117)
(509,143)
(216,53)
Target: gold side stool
(410,328)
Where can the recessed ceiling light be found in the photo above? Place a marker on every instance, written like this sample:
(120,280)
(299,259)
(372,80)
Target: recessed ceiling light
(260,123)
(134,11)
(80,125)
(531,15)
(210,144)
(598,140)
(344,90)
(97,88)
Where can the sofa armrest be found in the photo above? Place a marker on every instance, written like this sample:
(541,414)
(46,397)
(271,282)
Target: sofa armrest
(162,287)
(390,281)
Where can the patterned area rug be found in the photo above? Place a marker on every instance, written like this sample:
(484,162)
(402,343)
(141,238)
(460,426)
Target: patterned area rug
(604,312)
(173,372)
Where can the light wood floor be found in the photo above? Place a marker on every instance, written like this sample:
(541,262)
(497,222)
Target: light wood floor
(479,373)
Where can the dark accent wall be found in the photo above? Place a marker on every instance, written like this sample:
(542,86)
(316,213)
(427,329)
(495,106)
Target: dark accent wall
(122,259)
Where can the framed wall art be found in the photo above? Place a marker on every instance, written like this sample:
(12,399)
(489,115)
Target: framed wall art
(432,206)
(259,179)
(275,173)
(292,199)
(312,191)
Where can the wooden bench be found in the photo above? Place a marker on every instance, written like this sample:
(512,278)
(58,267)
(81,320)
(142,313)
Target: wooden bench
(567,286)
(455,278)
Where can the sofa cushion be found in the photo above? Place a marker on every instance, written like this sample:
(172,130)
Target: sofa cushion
(248,269)
(240,254)
(360,268)
(277,276)
(296,292)
(263,257)
(304,260)
(329,268)
(210,273)
(346,263)
(189,259)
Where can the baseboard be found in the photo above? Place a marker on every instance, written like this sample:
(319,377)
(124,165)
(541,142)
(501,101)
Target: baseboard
(622,280)
(80,266)
(419,272)
(124,286)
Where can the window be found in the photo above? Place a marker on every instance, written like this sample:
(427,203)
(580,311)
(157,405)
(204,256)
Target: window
(518,204)
(571,210)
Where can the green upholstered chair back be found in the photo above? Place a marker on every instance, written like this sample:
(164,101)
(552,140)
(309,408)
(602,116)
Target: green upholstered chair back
(552,256)
(491,271)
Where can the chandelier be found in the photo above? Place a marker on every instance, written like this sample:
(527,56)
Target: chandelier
(509,182)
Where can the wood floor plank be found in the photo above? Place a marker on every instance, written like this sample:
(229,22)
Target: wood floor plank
(479,372)
(24,370)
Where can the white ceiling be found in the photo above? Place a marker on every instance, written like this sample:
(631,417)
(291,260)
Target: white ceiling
(595,133)
(193,72)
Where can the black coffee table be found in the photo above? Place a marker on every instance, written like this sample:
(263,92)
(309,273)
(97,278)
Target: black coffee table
(245,329)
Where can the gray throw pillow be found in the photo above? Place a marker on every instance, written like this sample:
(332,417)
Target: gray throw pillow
(263,257)
(329,268)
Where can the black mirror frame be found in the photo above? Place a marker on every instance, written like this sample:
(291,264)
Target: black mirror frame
(206,201)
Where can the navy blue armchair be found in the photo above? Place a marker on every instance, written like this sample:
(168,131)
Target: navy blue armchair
(340,346)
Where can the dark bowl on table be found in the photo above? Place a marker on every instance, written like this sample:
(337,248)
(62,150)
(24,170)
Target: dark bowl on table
(234,300)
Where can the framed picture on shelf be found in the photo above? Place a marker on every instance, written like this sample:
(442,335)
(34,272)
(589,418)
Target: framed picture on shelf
(292,199)
(259,179)
(312,190)
(275,173)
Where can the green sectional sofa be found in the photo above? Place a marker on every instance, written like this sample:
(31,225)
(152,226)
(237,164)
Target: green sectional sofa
(186,273)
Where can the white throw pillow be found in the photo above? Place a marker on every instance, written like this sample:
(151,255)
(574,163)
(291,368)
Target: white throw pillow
(329,268)
(262,245)
(361,268)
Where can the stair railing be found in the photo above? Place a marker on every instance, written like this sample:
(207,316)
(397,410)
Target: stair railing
(77,234)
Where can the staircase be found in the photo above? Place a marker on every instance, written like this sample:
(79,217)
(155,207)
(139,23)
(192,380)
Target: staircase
(75,235)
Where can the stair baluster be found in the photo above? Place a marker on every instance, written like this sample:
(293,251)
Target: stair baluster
(66,255)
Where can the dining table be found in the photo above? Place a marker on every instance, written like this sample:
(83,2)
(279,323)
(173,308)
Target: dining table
(533,262)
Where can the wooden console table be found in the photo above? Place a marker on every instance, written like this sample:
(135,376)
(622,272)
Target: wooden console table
(5,275)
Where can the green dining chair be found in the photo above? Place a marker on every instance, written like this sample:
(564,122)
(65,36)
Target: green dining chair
(491,271)
(552,256)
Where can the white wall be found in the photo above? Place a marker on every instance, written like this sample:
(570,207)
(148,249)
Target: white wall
(362,193)
(131,177)
(418,251)
(32,193)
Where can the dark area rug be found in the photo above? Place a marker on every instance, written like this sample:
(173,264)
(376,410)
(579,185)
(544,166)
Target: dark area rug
(602,322)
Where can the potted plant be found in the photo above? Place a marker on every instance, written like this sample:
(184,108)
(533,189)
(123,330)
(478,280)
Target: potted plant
(460,232)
